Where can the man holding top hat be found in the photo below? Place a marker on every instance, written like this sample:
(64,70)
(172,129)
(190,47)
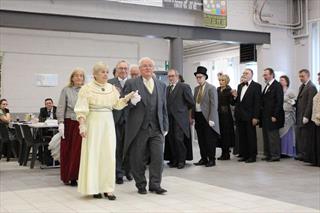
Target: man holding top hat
(206,118)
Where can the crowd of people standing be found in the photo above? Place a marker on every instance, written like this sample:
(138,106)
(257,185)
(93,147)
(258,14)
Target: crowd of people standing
(115,128)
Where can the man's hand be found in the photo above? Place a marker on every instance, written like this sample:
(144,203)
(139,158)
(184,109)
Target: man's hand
(255,121)
(305,120)
(136,98)
(273,119)
(211,123)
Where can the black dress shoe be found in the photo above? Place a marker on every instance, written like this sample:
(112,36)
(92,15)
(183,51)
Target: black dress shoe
(242,159)
(73,183)
(110,197)
(172,164)
(129,177)
(201,162)
(97,196)
(273,159)
(211,163)
(181,165)
(142,191)
(251,160)
(265,158)
(158,191)
(224,157)
(119,180)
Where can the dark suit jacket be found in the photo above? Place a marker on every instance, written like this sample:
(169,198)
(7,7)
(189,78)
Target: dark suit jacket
(136,113)
(304,102)
(44,113)
(249,107)
(179,102)
(272,106)
(118,115)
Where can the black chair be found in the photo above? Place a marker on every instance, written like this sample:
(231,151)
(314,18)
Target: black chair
(22,144)
(34,143)
(5,139)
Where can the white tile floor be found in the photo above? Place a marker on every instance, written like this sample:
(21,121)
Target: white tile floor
(25,190)
(184,196)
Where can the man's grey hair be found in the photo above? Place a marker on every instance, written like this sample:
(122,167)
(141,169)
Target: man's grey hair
(122,61)
(175,71)
(144,59)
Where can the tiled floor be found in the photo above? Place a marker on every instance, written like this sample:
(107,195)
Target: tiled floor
(286,186)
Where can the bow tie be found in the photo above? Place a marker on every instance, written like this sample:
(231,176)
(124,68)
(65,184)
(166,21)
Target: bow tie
(245,83)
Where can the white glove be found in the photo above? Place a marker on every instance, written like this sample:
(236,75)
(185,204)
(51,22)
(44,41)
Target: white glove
(305,120)
(83,130)
(61,129)
(165,133)
(136,98)
(211,123)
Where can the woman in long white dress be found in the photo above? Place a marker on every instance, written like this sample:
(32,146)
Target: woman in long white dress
(94,106)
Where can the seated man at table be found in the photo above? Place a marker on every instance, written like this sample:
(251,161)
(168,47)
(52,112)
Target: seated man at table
(49,111)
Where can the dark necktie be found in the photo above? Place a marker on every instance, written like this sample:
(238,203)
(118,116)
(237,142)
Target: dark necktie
(170,88)
(266,88)
(245,84)
(49,114)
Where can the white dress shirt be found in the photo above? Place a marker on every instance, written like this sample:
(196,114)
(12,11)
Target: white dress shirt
(244,89)
(268,85)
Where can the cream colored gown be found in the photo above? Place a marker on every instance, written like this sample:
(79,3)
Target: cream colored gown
(97,165)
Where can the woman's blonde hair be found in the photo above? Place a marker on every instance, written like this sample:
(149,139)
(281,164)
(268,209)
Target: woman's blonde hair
(225,77)
(75,71)
(98,67)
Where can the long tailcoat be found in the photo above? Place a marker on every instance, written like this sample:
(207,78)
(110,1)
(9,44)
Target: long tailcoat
(136,113)
(179,102)
(209,105)
(304,102)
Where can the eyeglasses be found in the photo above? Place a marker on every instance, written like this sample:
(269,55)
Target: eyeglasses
(147,66)
(170,76)
(123,68)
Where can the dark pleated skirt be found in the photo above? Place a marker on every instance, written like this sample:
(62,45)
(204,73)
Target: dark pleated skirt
(70,149)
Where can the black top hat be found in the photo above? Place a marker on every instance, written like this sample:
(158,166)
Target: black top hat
(201,70)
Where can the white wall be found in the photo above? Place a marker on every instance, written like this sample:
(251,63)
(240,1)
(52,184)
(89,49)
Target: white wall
(27,52)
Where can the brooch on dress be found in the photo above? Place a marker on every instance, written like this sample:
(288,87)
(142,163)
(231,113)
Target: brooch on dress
(102,89)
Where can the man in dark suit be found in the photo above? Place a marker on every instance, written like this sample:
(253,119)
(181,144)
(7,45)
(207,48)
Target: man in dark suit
(119,120)
(146,127)
(179,105)
(247,112)
(206,118)
(304,125)
(272,116)
(49,111)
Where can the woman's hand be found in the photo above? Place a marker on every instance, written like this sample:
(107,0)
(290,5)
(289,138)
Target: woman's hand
(83,130)
(82,127)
